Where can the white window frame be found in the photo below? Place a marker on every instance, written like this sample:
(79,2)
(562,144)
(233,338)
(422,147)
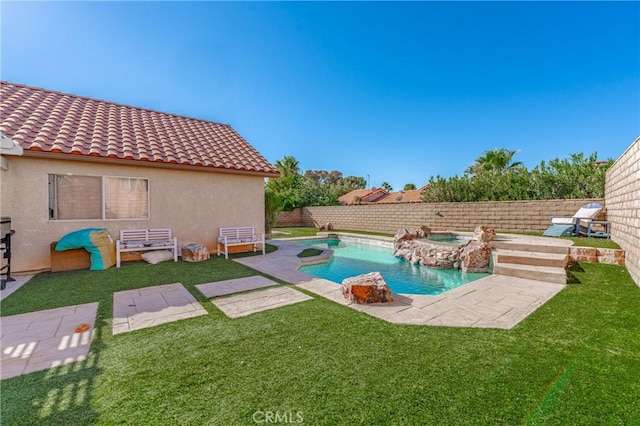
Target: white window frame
(53,198)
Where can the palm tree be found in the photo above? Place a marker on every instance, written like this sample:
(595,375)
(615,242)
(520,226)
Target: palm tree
(497,161)
(272,206)
(386,186)
(288,166)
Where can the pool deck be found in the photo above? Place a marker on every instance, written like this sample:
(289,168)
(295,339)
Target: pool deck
(496,301)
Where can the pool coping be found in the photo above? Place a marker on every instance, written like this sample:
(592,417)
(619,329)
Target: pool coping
(495,301)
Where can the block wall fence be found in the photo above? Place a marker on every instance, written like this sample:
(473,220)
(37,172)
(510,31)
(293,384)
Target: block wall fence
(514,216)
(622,194)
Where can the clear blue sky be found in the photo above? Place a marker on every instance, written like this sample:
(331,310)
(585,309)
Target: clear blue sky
(397,91)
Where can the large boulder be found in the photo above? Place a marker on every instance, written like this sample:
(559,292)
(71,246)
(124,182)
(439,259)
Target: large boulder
(404,235)
(366,288)
(423,252)
(484,234)
(327,227)
(423,231)
(475,257)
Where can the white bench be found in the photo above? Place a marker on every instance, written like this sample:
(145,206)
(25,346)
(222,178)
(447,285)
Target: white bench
(144,240)
(239,236)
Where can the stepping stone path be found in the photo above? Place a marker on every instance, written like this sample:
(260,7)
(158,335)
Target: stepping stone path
(151,306)
(36,341)
(40,340)
(258,301)
(222,288)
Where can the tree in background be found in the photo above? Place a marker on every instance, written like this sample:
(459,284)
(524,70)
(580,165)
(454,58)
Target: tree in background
(322,177)
(410,186)
(272,206)
(495,161)
(287,187)
(575,177)
(314,188)
(386,186)
(351,183)
(288,166)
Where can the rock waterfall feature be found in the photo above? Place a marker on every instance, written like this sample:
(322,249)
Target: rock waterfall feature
(473,256)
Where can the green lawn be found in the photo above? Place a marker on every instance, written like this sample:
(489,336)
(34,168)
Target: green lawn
(592,242)
(574,361)
(292,232)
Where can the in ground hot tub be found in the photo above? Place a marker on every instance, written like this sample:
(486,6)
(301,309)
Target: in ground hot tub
(448,238)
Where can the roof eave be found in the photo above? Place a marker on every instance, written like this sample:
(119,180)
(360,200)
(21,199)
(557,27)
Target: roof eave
(138,163)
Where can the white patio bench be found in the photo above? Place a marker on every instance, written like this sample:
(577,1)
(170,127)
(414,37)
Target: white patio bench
(239,236)
(144,240)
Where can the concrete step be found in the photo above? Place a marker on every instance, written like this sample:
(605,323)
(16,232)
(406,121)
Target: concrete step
(540,273)
(534,258)
(511,245)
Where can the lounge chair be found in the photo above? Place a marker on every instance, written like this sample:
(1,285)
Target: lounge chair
(565,226)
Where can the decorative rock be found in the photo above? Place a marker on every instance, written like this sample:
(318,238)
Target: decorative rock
(327,227)
(583,254)
(403,235)
(366,288)
(484,234)
(597,255)
(426,253)
(475,257)
(423,231)
(194,252)
(611,256)
(610,252)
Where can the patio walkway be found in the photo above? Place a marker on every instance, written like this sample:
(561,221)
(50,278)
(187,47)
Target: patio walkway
(258,301)
(496,301)
(249,303)
(13,286)
(151,306)
(222,288)
(40,340)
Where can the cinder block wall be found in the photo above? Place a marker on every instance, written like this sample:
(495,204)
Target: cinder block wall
(516,216)
(622,194)
(292,218)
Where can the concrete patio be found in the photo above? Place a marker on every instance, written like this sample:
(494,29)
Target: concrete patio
(36,341)
(151,306)
(259,301)
(496,301)
(223,288)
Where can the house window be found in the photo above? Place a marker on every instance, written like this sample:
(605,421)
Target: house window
(77,197)
(126,198)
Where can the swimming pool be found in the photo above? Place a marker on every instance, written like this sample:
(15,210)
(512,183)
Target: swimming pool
(352,258)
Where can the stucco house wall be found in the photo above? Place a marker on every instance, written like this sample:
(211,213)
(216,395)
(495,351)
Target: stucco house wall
(193,203)
(199,175)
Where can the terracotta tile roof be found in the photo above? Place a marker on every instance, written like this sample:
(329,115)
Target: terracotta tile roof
(351,197)
(407,196)
(47,122)
(366,195)
(379,195)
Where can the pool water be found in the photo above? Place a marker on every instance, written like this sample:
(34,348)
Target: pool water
(351,259)
(456,239)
